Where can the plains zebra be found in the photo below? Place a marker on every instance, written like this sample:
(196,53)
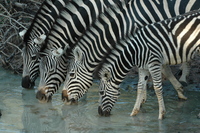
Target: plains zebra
(74,20)
(96,44)
(169,42)
(35,35)
(163,9)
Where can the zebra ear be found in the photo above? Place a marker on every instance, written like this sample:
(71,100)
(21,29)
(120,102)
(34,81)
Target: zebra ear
(78,54)
(107,75)
(22,33)
(58,52)
(40,39)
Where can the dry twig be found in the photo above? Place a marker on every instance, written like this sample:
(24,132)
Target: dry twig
(14,16)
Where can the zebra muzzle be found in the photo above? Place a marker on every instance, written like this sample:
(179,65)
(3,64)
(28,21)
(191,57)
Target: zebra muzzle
(27,83)
(66,98)
(40,95)
(105,113)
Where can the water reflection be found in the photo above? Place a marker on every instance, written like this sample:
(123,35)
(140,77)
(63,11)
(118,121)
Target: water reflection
(21,112)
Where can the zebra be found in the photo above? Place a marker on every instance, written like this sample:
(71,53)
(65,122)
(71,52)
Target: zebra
(37,32)
(30,56)
(99,41)
(34,36)
(74,20)
(169,42)
(44,93)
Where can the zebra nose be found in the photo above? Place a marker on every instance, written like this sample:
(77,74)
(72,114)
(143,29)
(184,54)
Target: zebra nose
(40,95)
(100,111)
(105,113)
(26,83)
(66,98)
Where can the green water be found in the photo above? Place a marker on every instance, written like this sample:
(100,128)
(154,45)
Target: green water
(22,113)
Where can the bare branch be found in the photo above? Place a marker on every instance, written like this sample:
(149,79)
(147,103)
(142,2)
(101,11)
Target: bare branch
(13,17)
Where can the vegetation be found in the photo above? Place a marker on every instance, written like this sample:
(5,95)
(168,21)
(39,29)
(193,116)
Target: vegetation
(15,15)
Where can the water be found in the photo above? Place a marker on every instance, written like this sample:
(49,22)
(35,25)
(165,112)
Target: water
(22,113)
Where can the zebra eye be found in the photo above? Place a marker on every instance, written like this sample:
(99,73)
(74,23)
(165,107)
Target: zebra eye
(33,57)
(72,74)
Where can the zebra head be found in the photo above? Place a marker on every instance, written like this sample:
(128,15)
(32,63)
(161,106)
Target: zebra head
(79,79)
(108,93)
(31,58)
(53,71)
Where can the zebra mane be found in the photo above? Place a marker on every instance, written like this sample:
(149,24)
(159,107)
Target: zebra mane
(109,12)
(182,16)
(105,65)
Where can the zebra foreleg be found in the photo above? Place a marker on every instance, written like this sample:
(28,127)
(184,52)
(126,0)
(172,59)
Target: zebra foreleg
(141,90)
(185,67)
(176,84)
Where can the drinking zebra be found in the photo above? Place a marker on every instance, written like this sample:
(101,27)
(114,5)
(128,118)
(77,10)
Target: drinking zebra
(37,32)
(162,10)
(169,42)
(34,36)
(99,41)
(74,20)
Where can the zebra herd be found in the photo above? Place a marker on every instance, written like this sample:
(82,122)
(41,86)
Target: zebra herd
(70,40)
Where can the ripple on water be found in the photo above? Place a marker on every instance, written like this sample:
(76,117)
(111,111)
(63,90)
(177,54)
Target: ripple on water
(21,112)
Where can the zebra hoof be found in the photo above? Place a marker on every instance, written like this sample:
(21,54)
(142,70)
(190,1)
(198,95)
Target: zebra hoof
(134,112)
(42,97)
(105,113)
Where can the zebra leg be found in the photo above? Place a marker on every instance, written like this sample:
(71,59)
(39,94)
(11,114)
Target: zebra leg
(176,84)
(141,90)
(155,71)
(185,67)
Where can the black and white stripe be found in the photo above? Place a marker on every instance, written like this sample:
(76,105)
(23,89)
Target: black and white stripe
(74,20)
(169,42)
(100,39)
(33,37)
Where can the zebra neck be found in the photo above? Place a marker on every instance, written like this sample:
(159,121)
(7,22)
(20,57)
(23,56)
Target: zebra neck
(45,18)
